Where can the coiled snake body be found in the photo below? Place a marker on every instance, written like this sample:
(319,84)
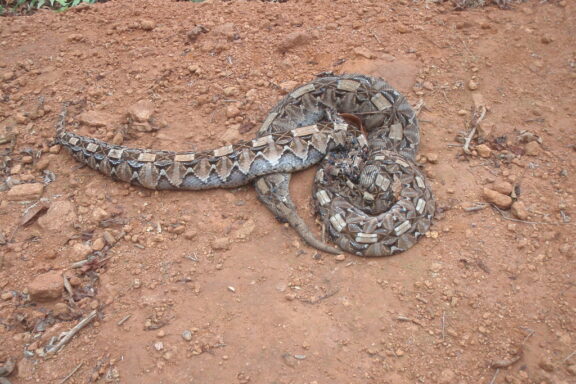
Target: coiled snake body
(371,197)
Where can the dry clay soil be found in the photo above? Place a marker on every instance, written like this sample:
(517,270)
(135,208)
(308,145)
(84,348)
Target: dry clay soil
(207,287)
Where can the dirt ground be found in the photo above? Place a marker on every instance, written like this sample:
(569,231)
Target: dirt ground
(207,287)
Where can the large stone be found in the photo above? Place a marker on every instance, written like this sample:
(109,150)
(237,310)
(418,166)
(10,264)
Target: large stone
(95,119)
(497,198)
(503,187)
(519,210)
(47,286)
(59,218)
(24,192)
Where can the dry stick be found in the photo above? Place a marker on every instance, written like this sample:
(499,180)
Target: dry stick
(494,377)
(70,334)
(443,324)
(474,123)
(477,207)
(125,319)
(375,36)
(569,356)
(72,373)
(498,364)
(521,221)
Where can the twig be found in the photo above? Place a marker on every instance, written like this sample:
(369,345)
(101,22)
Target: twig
(443,324)
(409,320)
(521,221)
(530,333)
(499,364)
(72,373)
(477,117)
(476,207)
(375,36)
(70,334)
(123,320)
(419,106)
(494,377)
(569,356)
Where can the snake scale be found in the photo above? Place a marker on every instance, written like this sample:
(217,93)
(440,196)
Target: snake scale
(370,195)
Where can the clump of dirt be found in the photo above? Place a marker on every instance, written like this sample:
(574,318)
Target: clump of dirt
(207,286)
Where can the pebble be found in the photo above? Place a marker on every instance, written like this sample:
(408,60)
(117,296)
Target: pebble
(221,243)
(158,345)
(500,200)
(187,335)
(519,210)
(340,257)
(98,244)
(147,25)
(484,150)
(60,309)
(432,158)
(232,111)
(6,296)
(428,85)
(7,76)
(161,333)
(43,163)
(25,192)
(472,85)
(141,111)
(294,40)
(546,365)
(572,369)
(79,251)
(226,30)
(46,287)
(503,187)
(532,148)
(195,32)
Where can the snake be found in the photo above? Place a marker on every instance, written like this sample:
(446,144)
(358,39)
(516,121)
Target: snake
(370,195)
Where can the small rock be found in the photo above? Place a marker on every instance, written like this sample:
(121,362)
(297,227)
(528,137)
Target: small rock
(79,251)
(190,234)
(187,335)
(572,369)
(546,39)
(43,163)
(484,150)
(55,149)
(6,296)
(436,267)
(60,309)
(98,244)
(532,148)
(472,85)
(100,214)
(25,192)
(141,111)
(546,365)
(195,32)
(503,187)
(432,158)
(500,200)
(147,25)
(364,52)
(294,40)
(95,119)
(158,345)
(232,111)
(47,286)
(7,76)
(59,218)
(428,85)
(340,257)
(221,243)
(519,210)
(161,333)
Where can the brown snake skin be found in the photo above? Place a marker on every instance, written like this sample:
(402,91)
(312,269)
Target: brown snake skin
(371,197)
